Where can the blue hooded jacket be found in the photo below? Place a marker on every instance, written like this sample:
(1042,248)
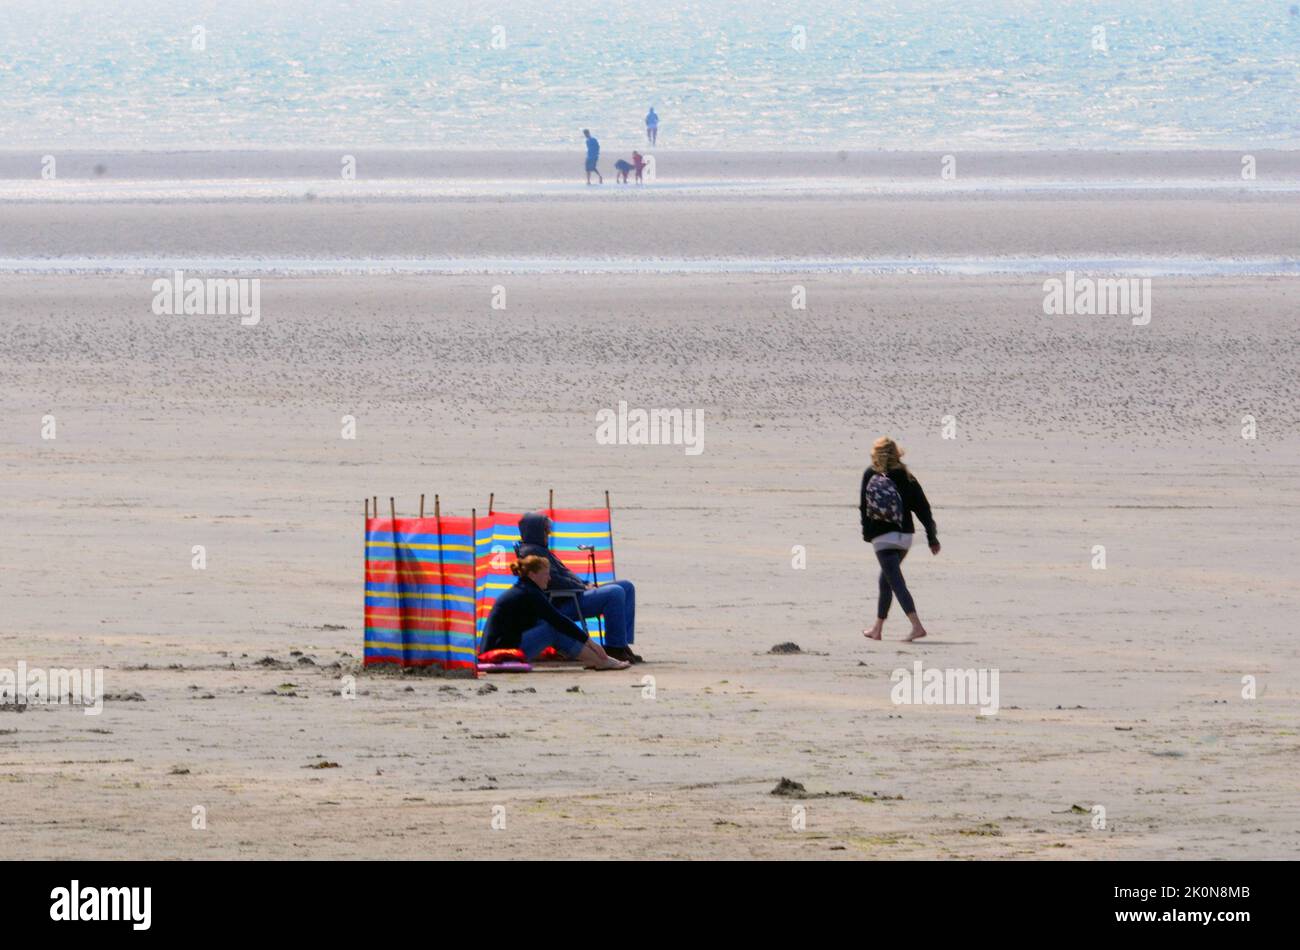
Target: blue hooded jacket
(534,528)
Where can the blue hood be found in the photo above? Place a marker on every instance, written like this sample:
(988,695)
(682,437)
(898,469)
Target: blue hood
(534,528)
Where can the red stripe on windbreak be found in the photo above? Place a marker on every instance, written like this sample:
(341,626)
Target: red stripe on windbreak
(412,619)
(445,664)
(425,565)
(424,578)
(588,515)
(570,558)
(429,525)
(460,627)
(380,610)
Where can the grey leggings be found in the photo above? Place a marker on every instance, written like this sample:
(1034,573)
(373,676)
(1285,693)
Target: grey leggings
(892,584)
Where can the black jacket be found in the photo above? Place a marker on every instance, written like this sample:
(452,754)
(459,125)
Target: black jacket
(523,606)
(534,529)
(913,500)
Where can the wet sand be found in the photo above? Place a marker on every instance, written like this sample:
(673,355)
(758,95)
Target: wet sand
(1119,687)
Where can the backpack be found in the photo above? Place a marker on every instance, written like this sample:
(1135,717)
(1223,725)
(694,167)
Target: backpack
(883,500)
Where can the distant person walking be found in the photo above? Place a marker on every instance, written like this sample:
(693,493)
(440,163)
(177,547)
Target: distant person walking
(889,495)
(651,126)
(593,156)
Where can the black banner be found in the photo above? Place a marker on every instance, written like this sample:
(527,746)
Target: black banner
(897,900)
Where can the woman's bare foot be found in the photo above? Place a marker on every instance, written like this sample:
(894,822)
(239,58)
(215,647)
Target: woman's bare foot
(595,658)
(873,633)
(918,631)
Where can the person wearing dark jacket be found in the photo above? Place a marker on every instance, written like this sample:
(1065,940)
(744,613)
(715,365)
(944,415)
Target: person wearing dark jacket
(616,601)
(523,619)
(892,539)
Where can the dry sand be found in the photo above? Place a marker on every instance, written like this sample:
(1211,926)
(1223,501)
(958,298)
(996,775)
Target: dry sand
(1119,688)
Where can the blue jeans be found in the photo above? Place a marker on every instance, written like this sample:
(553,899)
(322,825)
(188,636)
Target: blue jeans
(540,636)
(617,601)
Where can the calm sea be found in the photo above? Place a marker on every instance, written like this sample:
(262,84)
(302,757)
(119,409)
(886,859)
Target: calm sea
(722,74)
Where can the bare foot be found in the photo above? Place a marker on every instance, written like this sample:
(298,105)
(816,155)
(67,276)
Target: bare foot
(873,633)
(609,663)
(916,634)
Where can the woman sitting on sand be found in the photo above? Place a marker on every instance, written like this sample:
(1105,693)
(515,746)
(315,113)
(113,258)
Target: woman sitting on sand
(523,619)
(615,601)
(888,497)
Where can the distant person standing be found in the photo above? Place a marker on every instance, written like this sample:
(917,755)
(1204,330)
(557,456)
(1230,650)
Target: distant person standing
(651,126)
(593,156)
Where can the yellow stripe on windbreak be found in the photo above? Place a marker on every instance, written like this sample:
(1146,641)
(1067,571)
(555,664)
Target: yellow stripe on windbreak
(384,645)
(418,547)
(411,595)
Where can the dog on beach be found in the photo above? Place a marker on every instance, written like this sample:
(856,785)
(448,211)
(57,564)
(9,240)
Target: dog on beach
(623,167)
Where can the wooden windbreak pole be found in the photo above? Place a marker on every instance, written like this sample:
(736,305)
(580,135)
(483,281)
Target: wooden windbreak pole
(437,508)
(392,510)
(550,502)
(367,509)
(376,505)
(422,504)
(492,497)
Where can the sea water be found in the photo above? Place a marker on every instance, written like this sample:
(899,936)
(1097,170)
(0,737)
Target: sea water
(823,74)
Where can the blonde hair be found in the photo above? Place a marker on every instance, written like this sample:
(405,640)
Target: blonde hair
(885,454)
(529,565)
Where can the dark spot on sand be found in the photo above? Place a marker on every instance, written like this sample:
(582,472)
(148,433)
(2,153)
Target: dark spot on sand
(323,765)
(177,770)
(486,688)
(574,689)
(789,789)
(788,647)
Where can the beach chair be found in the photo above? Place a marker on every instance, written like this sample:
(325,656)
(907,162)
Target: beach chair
(419,593)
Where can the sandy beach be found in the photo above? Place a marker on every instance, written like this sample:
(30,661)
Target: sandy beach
(1120,688)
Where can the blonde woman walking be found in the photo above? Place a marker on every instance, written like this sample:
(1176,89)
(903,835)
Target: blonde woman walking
(889,496)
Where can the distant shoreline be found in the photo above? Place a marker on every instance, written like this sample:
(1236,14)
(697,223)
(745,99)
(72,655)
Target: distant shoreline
(1138,165)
